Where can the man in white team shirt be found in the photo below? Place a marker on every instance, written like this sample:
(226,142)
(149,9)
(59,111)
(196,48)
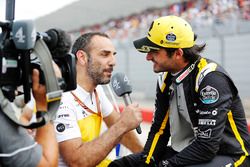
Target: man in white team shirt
(81,112)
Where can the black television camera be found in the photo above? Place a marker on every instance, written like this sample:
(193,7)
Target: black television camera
(22,49)
(17,59)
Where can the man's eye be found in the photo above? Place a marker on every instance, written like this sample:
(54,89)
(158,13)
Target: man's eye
(104,55)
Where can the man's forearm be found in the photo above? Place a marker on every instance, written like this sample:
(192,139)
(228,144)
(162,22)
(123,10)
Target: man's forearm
(45,136)
(92,153)
(131,141)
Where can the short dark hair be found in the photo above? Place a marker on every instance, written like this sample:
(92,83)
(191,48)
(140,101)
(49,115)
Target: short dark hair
(83,41)
(190,54)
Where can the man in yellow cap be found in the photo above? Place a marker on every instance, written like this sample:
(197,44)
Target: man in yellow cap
(199,119)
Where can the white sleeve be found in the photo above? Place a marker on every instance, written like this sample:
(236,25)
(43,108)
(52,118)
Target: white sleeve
(106,106)
(65,124)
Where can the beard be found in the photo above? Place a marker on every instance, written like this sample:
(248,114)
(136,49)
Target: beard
(96,73)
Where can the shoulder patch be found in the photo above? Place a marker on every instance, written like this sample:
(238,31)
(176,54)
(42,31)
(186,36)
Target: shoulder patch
(209,95)
(202,73)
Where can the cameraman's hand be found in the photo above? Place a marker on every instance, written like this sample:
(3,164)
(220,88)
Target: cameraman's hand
(39,92)
(45,135)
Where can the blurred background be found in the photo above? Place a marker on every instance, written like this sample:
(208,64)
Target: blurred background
(224,25)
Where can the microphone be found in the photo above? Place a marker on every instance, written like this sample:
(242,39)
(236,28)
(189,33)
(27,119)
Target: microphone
(50,38)
(57,40)
(121,86)
(24,34)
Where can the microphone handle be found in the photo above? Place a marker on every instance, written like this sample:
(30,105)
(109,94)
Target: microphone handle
(128,101)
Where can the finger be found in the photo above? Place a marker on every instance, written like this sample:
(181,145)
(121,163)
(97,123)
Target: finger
(35,79)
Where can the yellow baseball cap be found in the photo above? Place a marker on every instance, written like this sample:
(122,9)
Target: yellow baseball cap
(167,32)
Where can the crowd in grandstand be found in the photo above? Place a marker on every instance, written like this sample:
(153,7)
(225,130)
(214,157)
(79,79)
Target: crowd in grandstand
(198,12)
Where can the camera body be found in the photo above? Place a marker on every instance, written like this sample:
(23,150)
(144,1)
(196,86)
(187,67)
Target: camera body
(17,41)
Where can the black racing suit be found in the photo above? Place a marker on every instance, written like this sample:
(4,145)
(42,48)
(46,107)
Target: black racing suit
(216,114)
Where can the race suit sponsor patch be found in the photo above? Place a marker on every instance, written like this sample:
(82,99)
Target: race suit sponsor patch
(207,122)
(201,112)
(206,134)
(63,115)
(209,95)
(60,127)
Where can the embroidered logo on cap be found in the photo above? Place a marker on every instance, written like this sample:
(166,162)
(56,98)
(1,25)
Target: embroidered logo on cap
(171,37)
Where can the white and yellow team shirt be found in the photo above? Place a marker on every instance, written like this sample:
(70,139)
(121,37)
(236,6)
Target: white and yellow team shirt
(73,120)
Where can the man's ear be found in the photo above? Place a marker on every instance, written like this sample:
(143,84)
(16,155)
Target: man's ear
(179,53)
(82,57)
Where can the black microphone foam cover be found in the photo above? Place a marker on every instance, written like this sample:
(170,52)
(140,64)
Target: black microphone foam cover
(60,42)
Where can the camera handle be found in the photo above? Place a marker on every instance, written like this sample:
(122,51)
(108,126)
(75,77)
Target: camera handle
(53,95)
(54,91)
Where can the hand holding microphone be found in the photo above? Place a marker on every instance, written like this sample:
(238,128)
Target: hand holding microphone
(122,88)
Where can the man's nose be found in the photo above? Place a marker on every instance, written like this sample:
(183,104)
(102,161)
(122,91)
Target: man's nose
(149,56)
(112,60)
